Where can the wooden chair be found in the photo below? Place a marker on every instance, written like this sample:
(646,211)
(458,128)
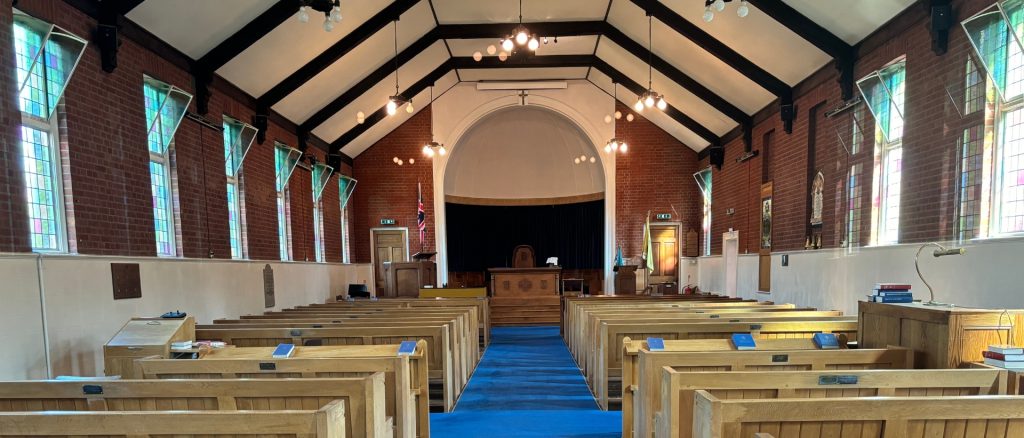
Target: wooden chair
(523,257)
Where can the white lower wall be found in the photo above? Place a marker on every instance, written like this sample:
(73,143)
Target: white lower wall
(81,314)
(990,275)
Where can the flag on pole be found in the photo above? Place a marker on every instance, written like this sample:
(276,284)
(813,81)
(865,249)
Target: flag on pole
(648,247)
(421,215)
(618,257)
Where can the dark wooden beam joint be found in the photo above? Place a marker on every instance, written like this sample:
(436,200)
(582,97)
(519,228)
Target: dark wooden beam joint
(845,66)
(106,36)
(748,137)
(941,19)
(259,121)
(303,136)
(202,77)
(787,110)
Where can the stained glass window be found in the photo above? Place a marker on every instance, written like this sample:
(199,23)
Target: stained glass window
(238,137)
(234,221)
(164,107)
(704,183)
(283,225)
(885,91)
(163,209)
(45,58)
(318,230)
(285,160)
(42,189)
(855,198)
(994,34)
(972,149)
(346,186)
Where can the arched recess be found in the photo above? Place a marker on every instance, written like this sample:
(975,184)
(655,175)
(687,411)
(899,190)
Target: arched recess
(555,102)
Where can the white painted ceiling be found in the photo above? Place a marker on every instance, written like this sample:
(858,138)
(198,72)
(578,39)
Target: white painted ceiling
(197,26)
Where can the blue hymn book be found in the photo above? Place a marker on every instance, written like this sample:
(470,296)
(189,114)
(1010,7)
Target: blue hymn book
(656,344)
(407,348)
(826,341)
(743,341)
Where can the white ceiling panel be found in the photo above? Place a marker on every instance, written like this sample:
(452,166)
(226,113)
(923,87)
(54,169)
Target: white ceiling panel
(376,97)
(756,37)
(579,45)
(384,127)
(680,98)
(522,74)
(505,11)
(850,20)
(357,64)
(195,27)
(660,119)
(691,59)
(291,45)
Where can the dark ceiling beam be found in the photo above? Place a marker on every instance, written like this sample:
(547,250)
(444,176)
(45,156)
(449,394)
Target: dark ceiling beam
(844,54)
(249,34)
(519,61)
(671,111)
(543,28)
(368,82)
(675,75)
(381,113)
(108,14)
(119,7)
(335,52)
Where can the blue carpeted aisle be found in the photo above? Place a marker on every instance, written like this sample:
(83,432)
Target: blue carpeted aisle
(527,385)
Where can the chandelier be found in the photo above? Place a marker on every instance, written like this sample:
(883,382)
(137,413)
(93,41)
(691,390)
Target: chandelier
(520,36)
(649,97)
(398,100)
(712,6)
(616,144)
(432,146)
(330,8)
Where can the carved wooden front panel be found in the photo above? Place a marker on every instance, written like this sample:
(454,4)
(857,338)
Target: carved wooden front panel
(525,282)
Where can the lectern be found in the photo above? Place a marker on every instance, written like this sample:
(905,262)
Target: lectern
(625,280)
(404,279)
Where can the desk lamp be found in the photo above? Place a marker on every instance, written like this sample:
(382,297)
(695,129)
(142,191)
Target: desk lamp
(940,252)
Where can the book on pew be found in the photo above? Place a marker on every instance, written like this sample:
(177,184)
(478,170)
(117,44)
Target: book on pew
(656,344)
(1004,364)
(1006,349)
(744,341)
(284,351)
(406,348)
(890,293)
(892,286)
(826,341)
(902,299)
(1003,356)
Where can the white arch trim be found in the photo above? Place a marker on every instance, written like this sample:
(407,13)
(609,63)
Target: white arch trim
(451,141)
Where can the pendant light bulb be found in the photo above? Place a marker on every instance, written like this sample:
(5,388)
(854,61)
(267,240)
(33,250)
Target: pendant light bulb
(360,117)
(661,103)
(442,151)
(576,160)
(328,24)
(534,44)
(743,9)
(708,14)
(607,119)
(608,148)
(629,117)
(507,44)
(719,5)
(502,56)
(618,115)
(392,107)
(491,49)
(521,37)
(409,108)
(649,100)
(477,56)
(336,14)
(428,151)
(639,105)
(303,15)
(622,147)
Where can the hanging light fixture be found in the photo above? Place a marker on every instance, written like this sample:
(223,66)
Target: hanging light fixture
(615,144)
(521,37)
(433,147)
(712,6)
(398,100)
(330,8)
(650,98)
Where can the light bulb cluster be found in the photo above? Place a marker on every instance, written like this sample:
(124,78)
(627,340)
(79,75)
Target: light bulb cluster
(582,159)
(330,8)
(648,99)
(712,6)
(521,37)
(402,162)
(616,145)
(434,148)
(397,101)
(617,116)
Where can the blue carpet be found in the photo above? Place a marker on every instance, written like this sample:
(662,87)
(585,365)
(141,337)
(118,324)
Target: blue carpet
(527,385)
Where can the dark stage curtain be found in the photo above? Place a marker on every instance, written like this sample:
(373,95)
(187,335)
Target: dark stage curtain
(481,237)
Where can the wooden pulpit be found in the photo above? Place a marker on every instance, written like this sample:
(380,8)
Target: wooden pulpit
(625,280)
(404,279)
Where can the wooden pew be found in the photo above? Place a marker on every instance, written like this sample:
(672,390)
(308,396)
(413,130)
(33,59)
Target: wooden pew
(646,397)
(363,397)
(326,422)
(675,419)
(609,354)
(481,304)
(869,417)
(444,364)
(405,377)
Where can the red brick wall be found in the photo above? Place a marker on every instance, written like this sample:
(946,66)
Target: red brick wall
(387,190)
(108,161)
(929,146)
(656,175)
(13,216)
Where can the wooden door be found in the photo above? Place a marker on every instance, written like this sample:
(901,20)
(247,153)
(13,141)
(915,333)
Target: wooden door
(388,246)
(665,248)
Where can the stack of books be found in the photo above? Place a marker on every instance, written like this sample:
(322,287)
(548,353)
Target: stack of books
(181,345)
(891,293)
(1004,356)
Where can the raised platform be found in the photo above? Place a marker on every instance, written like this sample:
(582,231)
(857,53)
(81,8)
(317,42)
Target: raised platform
(515,311)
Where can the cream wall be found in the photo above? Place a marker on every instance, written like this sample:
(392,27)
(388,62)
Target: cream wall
(989,275)
(80,313)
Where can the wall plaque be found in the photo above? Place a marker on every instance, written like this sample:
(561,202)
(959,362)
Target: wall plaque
(268,286)
(126,280)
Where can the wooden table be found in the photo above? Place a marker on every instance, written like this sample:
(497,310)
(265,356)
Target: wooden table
(941,337)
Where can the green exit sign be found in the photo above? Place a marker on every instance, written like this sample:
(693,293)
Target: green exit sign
(662,216)
(387,221)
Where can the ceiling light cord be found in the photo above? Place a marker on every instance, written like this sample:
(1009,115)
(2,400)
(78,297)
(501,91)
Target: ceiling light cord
(650,52)
(396,57)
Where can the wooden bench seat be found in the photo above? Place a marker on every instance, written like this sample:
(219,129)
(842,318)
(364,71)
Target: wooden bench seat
(481,304)
(646,389)
(363,397)
(326,422)
(868,417)
(675,419)
(405,377)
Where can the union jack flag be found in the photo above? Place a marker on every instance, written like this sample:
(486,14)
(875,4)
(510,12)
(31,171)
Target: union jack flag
(421,216)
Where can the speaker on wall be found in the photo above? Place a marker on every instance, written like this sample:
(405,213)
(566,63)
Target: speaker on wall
(716,155)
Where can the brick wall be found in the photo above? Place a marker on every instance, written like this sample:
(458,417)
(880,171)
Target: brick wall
(929,147)
(656,175)
(108,161)
(387,190)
